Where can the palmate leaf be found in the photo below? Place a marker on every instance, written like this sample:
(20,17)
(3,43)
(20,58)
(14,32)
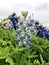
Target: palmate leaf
(4,52)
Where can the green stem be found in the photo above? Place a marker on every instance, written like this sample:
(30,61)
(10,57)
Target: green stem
(29,61)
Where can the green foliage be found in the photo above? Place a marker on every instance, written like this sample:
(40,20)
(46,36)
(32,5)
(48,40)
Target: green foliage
(12,54)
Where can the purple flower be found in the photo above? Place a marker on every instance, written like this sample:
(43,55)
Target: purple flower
(14,20)
(42,32)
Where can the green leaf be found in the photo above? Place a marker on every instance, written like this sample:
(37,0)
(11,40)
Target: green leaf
(9,60)
(4,52)
(41,58)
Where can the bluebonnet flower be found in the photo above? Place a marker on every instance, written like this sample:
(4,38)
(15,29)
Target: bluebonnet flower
(14,20)
(37,27)
(47,35)
(27,28)
(24,35)
(42,32)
